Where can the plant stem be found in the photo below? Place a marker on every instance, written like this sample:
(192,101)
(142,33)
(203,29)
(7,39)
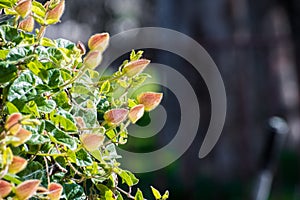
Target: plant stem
(47,154)
(75,170)
(117,135)
(47,170)
(73,79)
(126,193)
(108,79)
(41,33)
(22,60)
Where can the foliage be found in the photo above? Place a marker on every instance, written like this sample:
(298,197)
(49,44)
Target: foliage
(60,121)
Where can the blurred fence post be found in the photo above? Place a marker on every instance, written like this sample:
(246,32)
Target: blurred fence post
(277,132)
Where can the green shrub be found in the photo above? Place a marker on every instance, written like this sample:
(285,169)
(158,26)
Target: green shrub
(60,121)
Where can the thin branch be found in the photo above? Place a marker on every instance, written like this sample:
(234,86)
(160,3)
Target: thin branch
(118,134)
(126,193)
(47,170)
(74,169)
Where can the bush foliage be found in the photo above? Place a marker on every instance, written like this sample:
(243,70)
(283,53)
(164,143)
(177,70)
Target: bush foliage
(60,121)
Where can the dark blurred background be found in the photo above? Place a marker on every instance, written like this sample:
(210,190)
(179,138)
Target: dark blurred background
(256,46)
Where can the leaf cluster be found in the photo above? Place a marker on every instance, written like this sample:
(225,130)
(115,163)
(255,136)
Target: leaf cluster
(61,118)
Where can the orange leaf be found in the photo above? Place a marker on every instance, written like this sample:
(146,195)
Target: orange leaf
(150,100)
(23,8)
(5,188)
(115,116)
(92,141)
(27,189)
(134,68)
(136,113)
(23,136)
(55,191)
(92,59)
(12,123)
(17,165)
(98,41)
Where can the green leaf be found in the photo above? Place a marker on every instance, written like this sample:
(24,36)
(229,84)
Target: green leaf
(123,83)
(19,53)
(111,135)
(64,139)
(125,178)
(39,19)
(7,156)
(156,193)
(42,88)
(119,196)
(105,192)
(3,53)
(9,11)
(67,54)
(35,67)
(136,81)
(6,4)
(138,195)
(54,4)
(47,42)
(23,88)
(133,178)
(27,39)
(131,103)
(73,191)
(97,154)
(7,72)
(12,178)
(63,120)
(135,56)
(58,136)
(11,108)
(55,54)
(166,195)
(128,177)
(65,44)
(93,74)
(10,139)
(41,127)
(38,137)
(62,100)
(81,90)
(83,158)
(54,78)
(42,53)
(66,114)
(71,156)
(33,170)
(65,74)
(111,152)
(38,9)
(105,87)
(9,33)
(30,108)
(52,21)
(61,161)
(44,105)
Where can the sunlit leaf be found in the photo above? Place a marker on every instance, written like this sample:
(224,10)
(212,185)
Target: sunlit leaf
(23,88)
(156,193)
(83,158)
(139,195)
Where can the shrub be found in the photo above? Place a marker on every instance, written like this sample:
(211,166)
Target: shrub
(60,120)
